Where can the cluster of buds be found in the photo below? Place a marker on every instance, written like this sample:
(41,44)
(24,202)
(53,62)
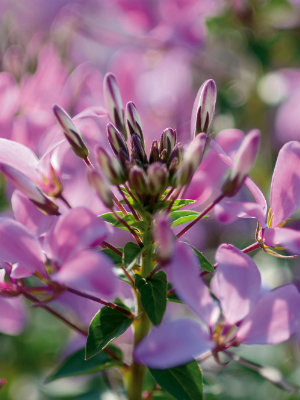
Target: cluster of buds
(166,165)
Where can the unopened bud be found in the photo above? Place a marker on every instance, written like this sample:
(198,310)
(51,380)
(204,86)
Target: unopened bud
(28,187)
(71,133)
(51,183)
(164,237)
(204,107)
(114,102)
(137,150)
(110,166)
(138,180)
(133,121)
(176,153)
(242,163)
(100,184)
(154,152)
(158,177)
(192,158)
(116,140)
(168,140)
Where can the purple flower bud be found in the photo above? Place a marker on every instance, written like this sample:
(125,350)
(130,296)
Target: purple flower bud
(28,187)
(133,121)
(164,237)
(242,163)
(110,166)
(154,152)
(138,180)
(70,131)
(137,150)
(204,107)
(158,177)
(168,140)
(114,102)
(101,186)
(116,140)
(192,158)
(176,153)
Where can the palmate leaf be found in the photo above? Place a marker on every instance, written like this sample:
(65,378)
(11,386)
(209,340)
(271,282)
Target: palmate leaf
(106,325)
(183,382)
(76,365)
(153,295)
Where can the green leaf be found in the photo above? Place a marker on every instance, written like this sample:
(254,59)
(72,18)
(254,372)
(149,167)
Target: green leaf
(106,325)
(130,253)
(180,217)
(111,219)
(76,365)
(204,263)
(179,203)
(183,382)
(153,295)
(116,258)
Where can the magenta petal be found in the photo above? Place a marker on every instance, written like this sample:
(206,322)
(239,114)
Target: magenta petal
(74,231)
(285,192)
(30,216)
(172,344)
(229,211)
(189,286)
(287,238)
(236,282)
(12,315)
(88,272)
(17,245)
(274,319)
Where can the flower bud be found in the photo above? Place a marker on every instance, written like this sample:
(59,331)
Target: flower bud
(110,166)
(168,140)
(28,187)
(176,153)
(133,121)
(158,177)
(242,163)
(100,184)
(137,150)
(138,180)
(204,107)
(164,237)
(51,183)
(114,102)
(192,158)
(154,152)
(71,133)
(116,140)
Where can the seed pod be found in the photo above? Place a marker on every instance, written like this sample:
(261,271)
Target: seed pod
(158,177)
(154,152)
(168,140)
(137,150)
(138,180)
(71,133)
(110,166)
(133,121)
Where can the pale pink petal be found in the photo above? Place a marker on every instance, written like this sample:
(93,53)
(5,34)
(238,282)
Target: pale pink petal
(229,211)
(274,319)
(285,187)
(27,214)
(236,282)
(76,230)
(9,97)
(287,238)
(17,245)
(89,272)
(172,344)
(12,315)
(18,156)
(189,286)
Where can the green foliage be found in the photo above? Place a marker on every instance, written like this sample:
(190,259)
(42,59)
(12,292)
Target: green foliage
(111,219)
(115,258)
(153,295)
(106,325)
(179,203)
(183,382)
(131,252)
(204,263)
(183,216)
(76,365)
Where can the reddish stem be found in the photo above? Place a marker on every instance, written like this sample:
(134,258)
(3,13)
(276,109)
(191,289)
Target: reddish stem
(252,247)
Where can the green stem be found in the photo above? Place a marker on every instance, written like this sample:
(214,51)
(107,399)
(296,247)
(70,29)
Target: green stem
(135,381)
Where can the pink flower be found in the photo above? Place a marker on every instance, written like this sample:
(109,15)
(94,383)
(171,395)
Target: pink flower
(247,316)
